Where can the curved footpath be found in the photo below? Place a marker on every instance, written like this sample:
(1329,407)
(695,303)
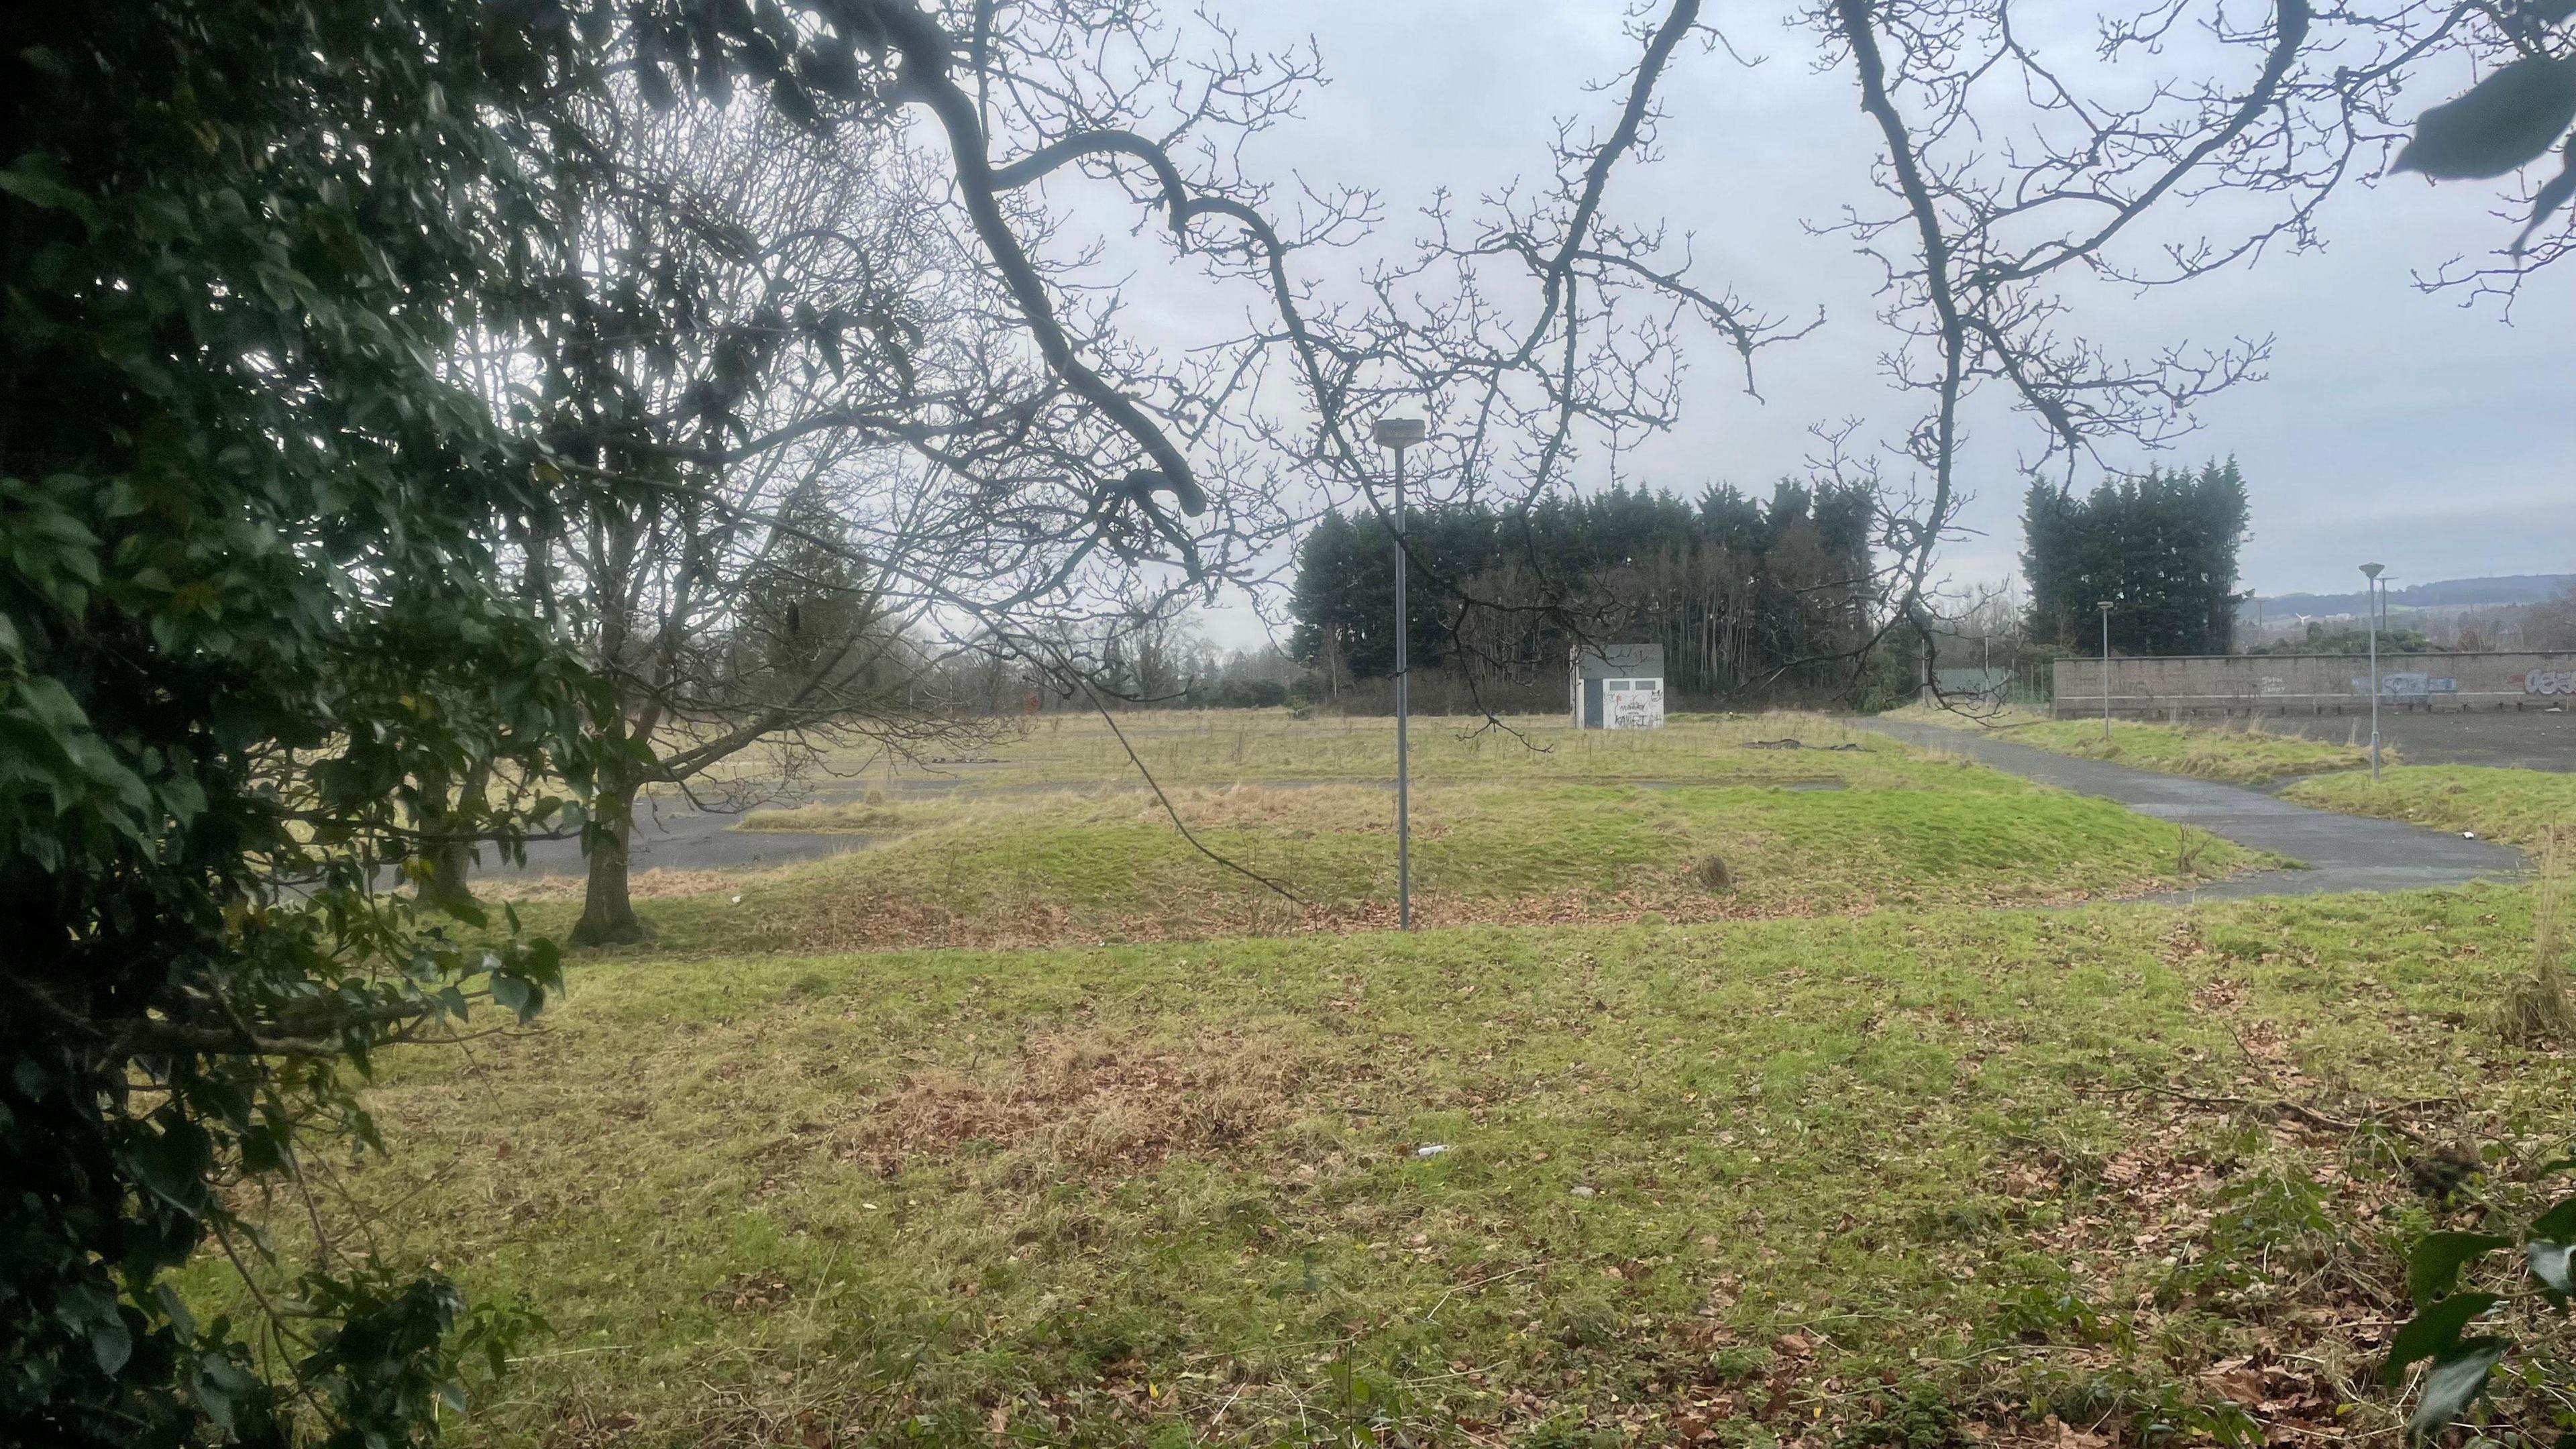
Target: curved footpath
(2342,852)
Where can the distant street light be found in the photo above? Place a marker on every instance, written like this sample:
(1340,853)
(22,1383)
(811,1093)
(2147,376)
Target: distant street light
(2106,671)
(2375,592)
(1400,434)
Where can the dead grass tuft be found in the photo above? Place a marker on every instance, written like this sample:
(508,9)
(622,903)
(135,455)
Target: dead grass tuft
(1338,809)
(2537,1011)
(1098,1103)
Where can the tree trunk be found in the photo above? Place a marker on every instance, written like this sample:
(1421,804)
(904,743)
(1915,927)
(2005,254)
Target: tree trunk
(607,913)
(448,853)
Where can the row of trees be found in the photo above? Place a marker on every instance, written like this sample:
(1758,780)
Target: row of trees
(2159,546)
(1740,592)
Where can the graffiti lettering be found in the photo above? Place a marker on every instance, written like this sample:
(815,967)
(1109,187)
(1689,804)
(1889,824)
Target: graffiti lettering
(2548,681)
(2407,686)
(1640,708)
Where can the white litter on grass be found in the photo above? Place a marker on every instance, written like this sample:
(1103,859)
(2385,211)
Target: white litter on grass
(1583,1192)
(737,900)
(2468,835)
(1431,1149)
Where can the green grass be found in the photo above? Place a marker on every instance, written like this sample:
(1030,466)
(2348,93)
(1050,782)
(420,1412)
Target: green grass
(1850,1179)
(1040,869)
(2508,804)
(2239,752)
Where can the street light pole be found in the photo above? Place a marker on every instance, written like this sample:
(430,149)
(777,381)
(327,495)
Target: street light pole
(1400,434)
(2370,573)
(2106,671)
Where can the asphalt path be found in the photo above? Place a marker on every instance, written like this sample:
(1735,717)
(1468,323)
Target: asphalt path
(2341,852)
(685,839)
(2541,737)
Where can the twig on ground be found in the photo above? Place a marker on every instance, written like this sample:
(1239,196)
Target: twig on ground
(1457,1288)
(2278,1107)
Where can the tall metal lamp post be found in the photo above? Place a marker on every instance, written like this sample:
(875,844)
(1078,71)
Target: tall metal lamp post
(2370,573)
(1400,434)
(2106,670)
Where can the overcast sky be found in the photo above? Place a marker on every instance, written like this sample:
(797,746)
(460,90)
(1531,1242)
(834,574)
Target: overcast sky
(2393,425)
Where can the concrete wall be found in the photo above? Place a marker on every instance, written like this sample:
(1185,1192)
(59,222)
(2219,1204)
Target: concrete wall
(2315,683)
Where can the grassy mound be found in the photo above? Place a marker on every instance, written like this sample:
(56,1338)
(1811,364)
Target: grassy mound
(2239,751)
(2507,804)
(1108,866)
(1952,1175)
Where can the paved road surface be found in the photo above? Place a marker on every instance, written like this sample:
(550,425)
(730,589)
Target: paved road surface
(2344,852)
(2532,739)
(678,838)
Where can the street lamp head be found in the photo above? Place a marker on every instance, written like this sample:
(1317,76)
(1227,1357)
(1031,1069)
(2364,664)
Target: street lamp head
(1400,433)
(2371,571)
(2104,606)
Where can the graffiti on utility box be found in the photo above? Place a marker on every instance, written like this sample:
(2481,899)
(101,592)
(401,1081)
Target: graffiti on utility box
(1638,708)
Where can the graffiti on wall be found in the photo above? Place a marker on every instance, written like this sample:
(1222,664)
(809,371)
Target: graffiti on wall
(2547,681)
(2408,685)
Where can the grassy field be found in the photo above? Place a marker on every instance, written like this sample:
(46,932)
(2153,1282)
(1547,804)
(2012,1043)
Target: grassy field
(1828,1148)
(1232,746)
(1919,1178)
(2515,805)
(1698,827)
(2238,751)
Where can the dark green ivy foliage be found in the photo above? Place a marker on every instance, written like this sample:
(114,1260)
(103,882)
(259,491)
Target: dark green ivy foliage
(2160,546)
(2452,1333)
(1734,588)
(249,602)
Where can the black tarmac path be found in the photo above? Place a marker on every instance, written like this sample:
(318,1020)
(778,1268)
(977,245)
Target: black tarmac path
(2341,852)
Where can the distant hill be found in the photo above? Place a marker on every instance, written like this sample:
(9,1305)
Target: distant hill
(2447,594)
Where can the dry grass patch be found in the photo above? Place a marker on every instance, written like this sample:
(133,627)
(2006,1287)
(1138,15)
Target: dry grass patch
(1097,1103)
(872,815)
(1227,746)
